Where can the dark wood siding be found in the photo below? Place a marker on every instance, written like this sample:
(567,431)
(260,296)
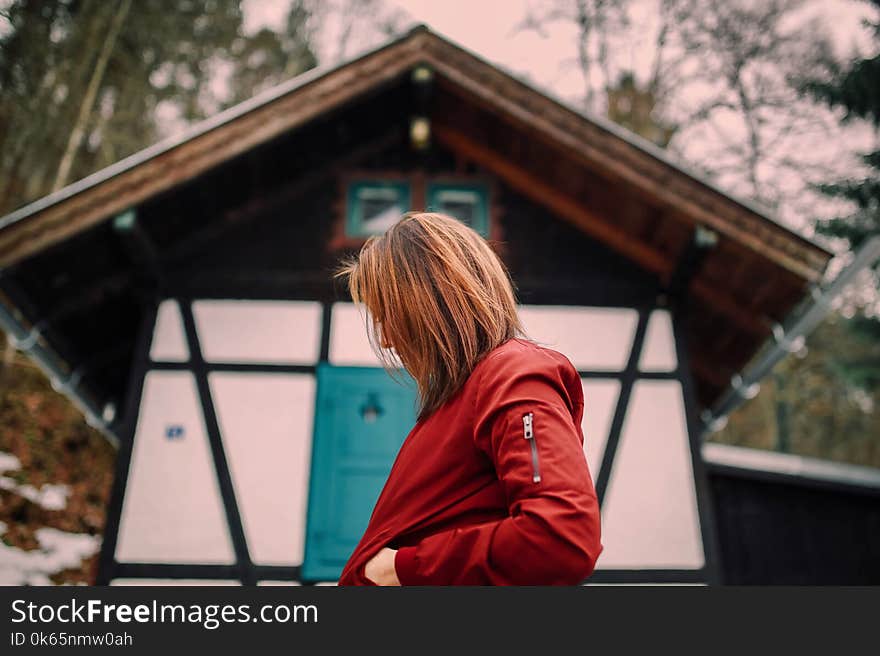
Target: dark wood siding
(782,532)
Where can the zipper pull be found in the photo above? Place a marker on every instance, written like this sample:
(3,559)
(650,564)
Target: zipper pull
(529,434)
(527,425)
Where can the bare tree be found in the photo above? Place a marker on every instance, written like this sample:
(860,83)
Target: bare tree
(596,21)
(740,57)
(718,72)
(350,25)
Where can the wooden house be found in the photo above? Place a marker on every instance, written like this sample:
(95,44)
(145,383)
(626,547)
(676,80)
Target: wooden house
(183,298)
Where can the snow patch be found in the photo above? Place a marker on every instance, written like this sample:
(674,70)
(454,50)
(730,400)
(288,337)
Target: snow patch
(8,462)
(58,550)
(50,497)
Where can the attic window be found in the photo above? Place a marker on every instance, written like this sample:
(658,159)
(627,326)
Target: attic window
(375,205)
(466,202)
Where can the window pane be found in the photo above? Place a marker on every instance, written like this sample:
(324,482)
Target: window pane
(373,206)
(280,332)
(172,511)
(598,339)
(461,204)
(466,202)
(649,515)
(380,208)
(169,342)
(266,424)
(464,212)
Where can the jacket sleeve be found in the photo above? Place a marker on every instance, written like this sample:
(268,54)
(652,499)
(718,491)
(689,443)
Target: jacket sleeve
(552,533)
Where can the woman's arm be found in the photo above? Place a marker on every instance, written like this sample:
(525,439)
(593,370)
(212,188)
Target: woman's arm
(552,536)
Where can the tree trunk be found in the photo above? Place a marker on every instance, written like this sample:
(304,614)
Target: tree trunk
(91,94)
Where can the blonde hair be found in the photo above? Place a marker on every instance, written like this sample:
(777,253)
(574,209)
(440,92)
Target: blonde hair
(439,295)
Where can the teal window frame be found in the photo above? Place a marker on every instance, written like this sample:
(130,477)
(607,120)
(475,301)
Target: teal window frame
(354,222)
(481,217)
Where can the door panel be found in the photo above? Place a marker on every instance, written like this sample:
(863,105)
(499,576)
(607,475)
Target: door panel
(362,417)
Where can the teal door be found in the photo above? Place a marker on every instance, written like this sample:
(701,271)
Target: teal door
(361,418)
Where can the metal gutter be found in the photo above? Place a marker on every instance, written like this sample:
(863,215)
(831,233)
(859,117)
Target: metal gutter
(27,341)
(788,338)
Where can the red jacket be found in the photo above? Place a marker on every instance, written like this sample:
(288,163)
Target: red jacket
(493,487)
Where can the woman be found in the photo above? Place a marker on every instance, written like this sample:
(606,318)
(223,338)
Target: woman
(491,486)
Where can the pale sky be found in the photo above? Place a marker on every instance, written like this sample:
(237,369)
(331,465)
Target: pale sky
(488,27)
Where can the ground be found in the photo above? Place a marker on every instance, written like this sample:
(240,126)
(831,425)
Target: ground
(55,479)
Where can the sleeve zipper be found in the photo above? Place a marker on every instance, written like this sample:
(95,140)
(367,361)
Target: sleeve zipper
(529,435)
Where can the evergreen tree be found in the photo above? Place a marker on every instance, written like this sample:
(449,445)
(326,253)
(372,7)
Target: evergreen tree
(854,87)
(270,57)
(82,82)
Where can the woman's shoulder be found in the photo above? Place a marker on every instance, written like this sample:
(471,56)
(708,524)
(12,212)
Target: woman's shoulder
(522,354)
(520,366)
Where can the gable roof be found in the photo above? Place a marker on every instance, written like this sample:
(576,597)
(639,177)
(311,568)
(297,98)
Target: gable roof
(282,108)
